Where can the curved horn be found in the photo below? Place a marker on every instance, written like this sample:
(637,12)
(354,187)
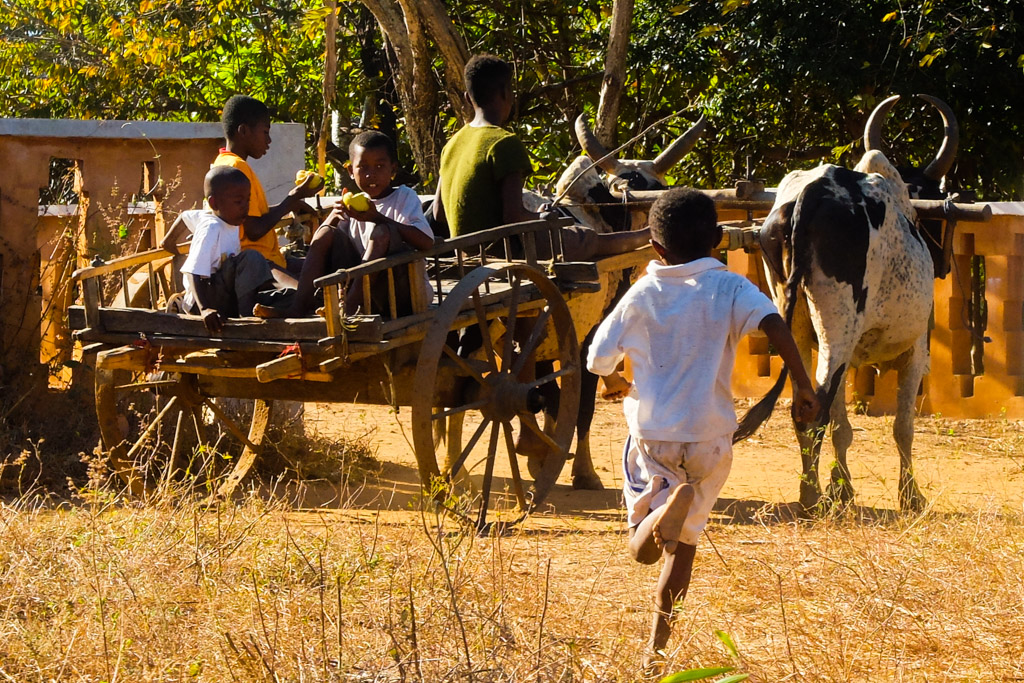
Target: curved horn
(592,147)
(951,139)
(680,147)
(873,128)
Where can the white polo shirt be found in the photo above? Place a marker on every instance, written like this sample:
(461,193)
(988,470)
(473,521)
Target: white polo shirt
(213,241)
(403,206)
(679,327)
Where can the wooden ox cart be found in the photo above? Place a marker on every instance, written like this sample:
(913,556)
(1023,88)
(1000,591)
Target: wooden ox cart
(159,376)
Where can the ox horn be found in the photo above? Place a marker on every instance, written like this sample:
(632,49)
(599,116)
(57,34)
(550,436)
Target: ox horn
(873,128)
(680,147)
(593,148)
(943,161)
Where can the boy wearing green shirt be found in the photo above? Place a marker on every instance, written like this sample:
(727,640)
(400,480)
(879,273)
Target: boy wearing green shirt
(484,168)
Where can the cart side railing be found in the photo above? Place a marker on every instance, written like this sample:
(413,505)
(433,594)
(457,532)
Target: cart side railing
(447,261)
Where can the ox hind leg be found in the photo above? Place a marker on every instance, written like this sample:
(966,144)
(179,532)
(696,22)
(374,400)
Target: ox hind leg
(910,368)
(584,476)
(808,439)
(831,381)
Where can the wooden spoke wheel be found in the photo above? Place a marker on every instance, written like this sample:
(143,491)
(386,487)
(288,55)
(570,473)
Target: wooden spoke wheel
(490,395)
(157,427)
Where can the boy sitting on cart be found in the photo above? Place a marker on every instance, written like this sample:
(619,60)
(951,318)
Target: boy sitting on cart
(484,167)
(393,222)
(222,280)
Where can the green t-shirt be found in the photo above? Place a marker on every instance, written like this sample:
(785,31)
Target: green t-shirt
(473,164)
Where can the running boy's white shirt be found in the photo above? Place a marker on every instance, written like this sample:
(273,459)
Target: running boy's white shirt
(679,327)
(213,241)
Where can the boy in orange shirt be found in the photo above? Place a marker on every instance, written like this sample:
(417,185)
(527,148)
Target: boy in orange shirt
(246,122)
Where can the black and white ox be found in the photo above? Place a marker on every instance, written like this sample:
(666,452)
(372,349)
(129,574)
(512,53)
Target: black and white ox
(850,269)
(590,202)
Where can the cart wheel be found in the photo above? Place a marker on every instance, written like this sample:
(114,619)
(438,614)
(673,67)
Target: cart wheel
(153,427)
(487,397)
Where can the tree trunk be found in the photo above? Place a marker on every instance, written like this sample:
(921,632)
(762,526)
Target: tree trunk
(452,47)
(330,84)
(407,24)
(614,73)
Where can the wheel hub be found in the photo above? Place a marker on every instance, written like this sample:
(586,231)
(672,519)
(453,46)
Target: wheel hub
(509,397)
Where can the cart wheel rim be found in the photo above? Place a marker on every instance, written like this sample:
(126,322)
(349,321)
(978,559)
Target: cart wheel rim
(493,390)
(153,430)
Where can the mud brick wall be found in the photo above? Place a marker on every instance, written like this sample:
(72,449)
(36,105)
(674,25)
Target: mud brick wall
(112,161)
(161,164)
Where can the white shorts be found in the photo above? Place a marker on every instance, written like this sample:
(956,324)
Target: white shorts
(653,469)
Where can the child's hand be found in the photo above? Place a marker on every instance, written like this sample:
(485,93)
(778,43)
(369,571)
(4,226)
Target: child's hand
(805,405)
(212,321)
(371,215)
(309,187)
(336,217)
(615,387)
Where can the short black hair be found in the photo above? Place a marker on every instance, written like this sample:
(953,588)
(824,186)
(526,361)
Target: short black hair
(371,139)
(242,109)
(485,77)
(685,222)
(220,178)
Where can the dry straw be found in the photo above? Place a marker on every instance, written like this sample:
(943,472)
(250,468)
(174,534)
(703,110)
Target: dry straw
(100,589)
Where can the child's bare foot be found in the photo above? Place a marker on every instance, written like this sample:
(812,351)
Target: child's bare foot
(653,663)
(670,525)
(263,311)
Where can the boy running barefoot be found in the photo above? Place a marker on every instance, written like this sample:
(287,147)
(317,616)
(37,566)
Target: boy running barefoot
(679,326)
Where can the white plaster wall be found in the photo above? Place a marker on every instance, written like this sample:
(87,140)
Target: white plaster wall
(287,155)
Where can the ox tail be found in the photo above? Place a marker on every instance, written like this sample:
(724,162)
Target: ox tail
(759,414)
(762,410)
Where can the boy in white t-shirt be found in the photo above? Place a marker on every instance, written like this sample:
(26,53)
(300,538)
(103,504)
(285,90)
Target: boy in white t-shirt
(679,326)
(221,281)
(393,223)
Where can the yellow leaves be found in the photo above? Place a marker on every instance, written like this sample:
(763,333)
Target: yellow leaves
(679,9)
(732,5)
(145,6)
(891,16)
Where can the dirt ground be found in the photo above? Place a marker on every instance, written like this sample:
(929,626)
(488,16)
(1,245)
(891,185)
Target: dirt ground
(960,465)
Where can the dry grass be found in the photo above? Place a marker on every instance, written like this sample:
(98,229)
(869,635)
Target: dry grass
(106,591)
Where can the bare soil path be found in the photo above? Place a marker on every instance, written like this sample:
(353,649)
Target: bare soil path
(960,464)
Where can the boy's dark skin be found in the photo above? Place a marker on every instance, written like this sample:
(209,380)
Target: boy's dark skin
(230,204)
(653,538)
(497,112)
(253,141)
(373,170)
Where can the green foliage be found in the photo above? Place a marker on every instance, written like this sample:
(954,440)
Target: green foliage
(803,75)
(696,674)
(785,84)
(702,674)
(162,59)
